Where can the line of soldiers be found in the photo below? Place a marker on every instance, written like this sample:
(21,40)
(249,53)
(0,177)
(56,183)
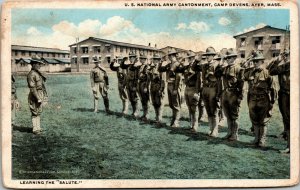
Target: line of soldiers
(212,79)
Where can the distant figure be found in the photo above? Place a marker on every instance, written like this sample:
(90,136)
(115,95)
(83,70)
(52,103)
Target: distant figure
(38,94)
(14,100)
(115,65)
(99,83)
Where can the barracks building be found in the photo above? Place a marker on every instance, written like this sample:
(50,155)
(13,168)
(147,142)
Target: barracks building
(56,60)
(269,40)
(82,53)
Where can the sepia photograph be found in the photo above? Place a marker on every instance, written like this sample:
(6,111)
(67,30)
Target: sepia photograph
(140,94)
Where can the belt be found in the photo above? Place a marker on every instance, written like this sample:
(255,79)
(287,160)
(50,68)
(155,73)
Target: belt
(257,96)
(209,85)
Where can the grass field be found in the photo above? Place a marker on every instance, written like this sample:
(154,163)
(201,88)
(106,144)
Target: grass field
(80,144)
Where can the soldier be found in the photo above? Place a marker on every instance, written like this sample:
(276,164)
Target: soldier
(14,100)
(201,110)
(211,90)
(121,75)
(132,81)
(157,87)
(281,67)
(262,96)
(37,94)
(192,81)
(143,85)
(100,85)
(174,80)
(233,92)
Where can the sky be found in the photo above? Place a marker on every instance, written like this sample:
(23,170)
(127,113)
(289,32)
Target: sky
(193,29)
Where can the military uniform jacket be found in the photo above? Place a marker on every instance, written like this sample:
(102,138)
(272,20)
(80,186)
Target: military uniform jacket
(260,83)
(233,79)
(282,69)
(132,75)
(98,74)
(172,75)
(121,73)
(35,81)
(144,74)
(157,79)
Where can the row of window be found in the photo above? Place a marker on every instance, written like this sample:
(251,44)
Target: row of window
(41,54)
(97,49)
(274,54)
(85,60)
(258,42)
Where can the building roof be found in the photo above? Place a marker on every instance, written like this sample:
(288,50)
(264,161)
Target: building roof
(38,49)
(180,49)
(26,60)
(63,60)
(118,43)
(267,26)
(50,61)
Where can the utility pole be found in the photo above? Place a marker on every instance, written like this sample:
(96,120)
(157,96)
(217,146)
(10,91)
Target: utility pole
(77,53)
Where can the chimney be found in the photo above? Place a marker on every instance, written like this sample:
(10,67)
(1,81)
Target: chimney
(155,46)
(149,44)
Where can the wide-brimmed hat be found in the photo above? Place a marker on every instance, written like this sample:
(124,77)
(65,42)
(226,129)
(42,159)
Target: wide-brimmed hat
(231,53)
(96,60)
(35,59)
(172,51)
(190,54)
(156,56)
(258,56)
(131,54)
(119,58)
(210,51)
(218,56)
(142,56)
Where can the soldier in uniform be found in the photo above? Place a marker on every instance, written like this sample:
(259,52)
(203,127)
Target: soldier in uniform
(14,100)
(201,109)
(174,80)
(211,91)
(232,95)
(144,85)
(37,94)
(157,87)
(99,84)
(262,96)
(121,75)
(281,67)
(132,81)
(193,84)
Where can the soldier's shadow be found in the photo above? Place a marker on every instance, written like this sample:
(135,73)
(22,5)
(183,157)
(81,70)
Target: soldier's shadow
(83,109)
(22,129)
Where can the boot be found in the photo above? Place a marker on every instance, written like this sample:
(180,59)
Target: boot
(173,118)
(106,104)
(234,131)
(214,127)
(134,109)
(256,135)
(287,150)
(145,115)
(201,110)
(262,136)
(125,107)
(95,105)
(176,119)
(229,124)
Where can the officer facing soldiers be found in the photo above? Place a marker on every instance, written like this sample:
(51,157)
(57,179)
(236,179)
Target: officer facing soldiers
(132,81)
(121,75)
(37,94)
(143,85)
(211,90)
(232,92)
(192,81)
(99,84)
(157,87)
(262,96)
(281,67)
(174,80)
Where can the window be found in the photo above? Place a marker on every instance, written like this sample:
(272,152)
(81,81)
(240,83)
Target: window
(85,60)
(64,55)
(97,49)
(121,49)
(23,53)
(30,53)
(275,54)
(242,53)
(108,59)
(16,53)
(258,43)
(85,49)
(75,60)
(75,50)
(108,49)
(126,49)
(243,42)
